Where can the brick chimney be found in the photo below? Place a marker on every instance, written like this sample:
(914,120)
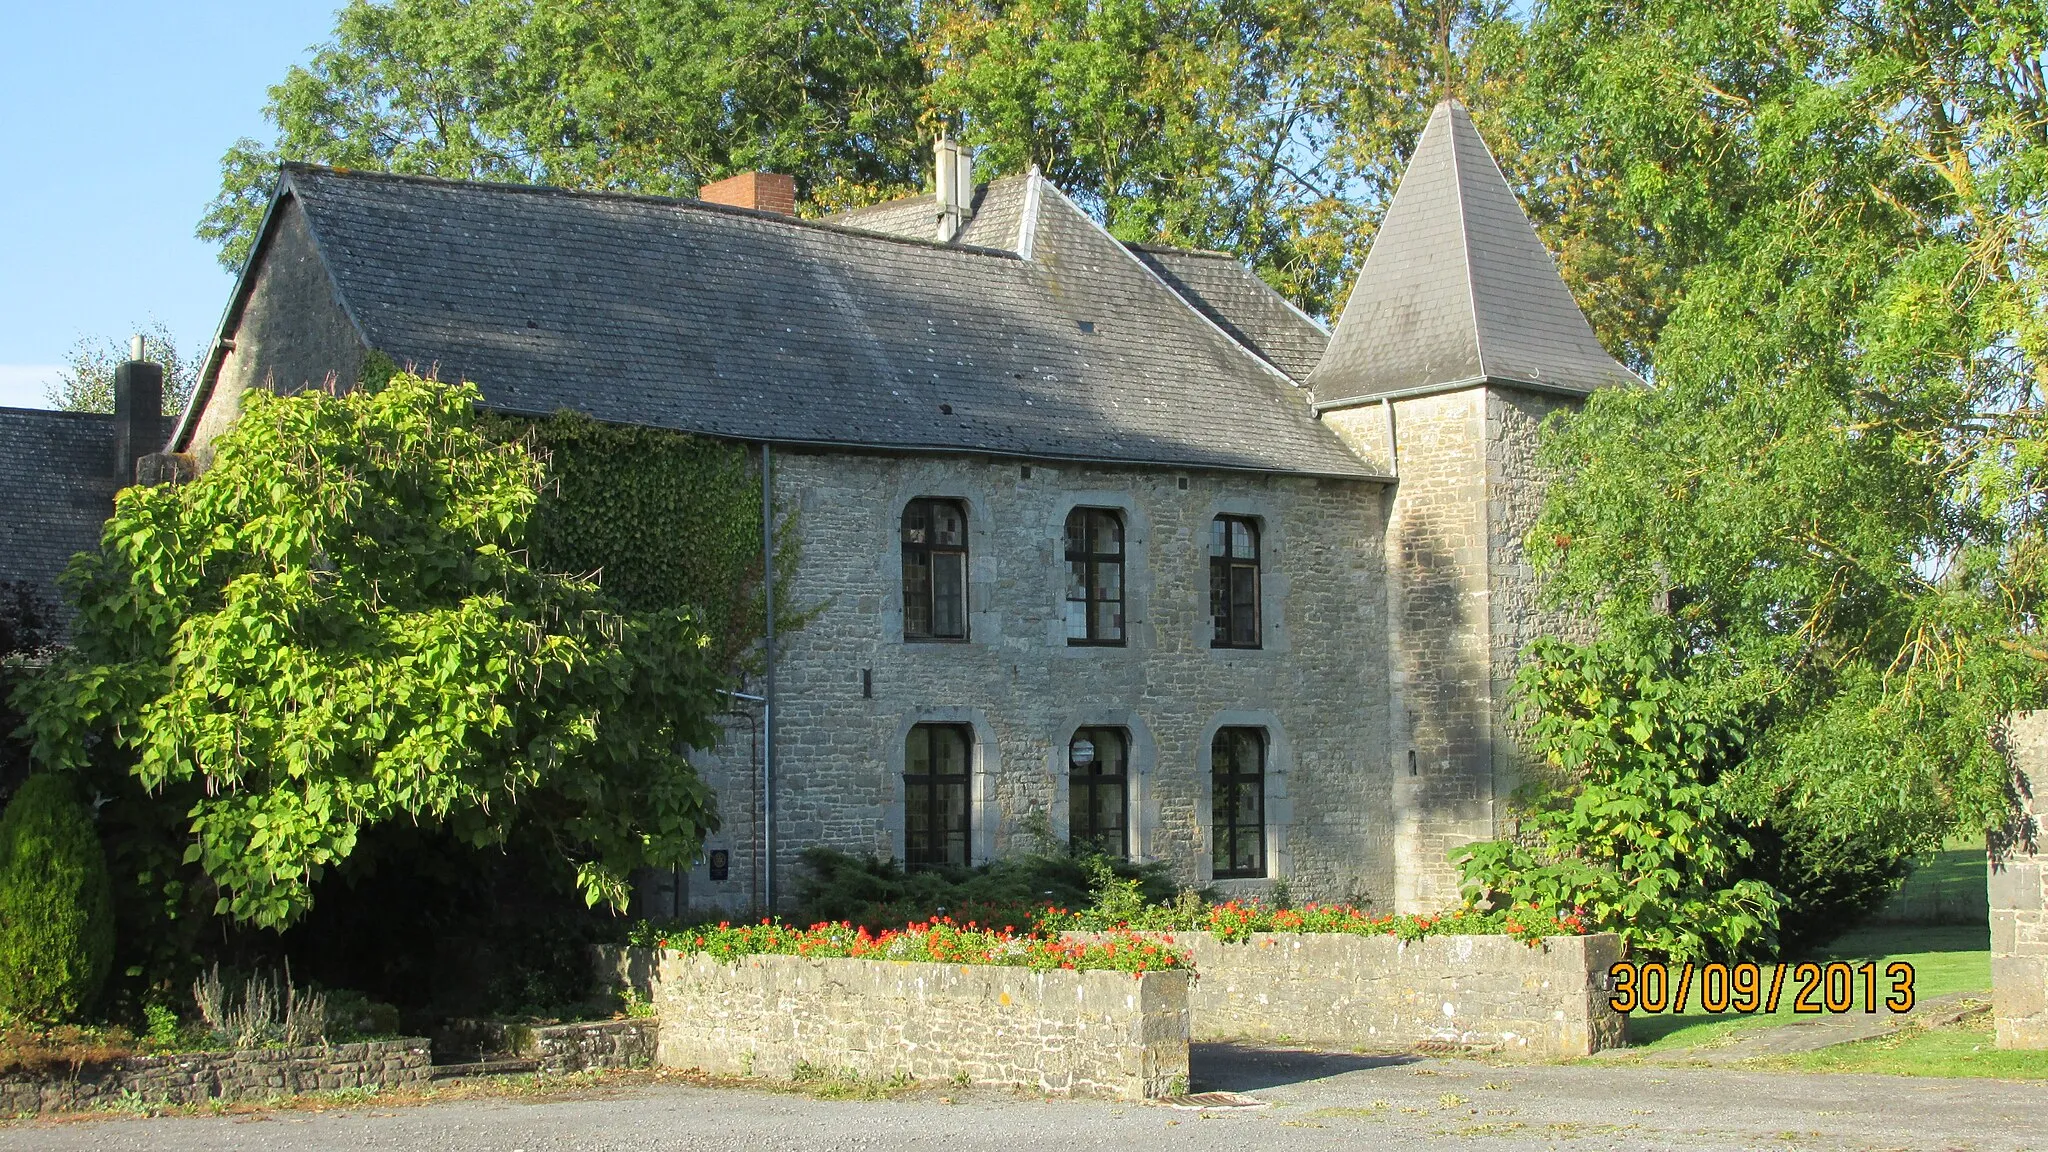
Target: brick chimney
(138,412)
(761,191)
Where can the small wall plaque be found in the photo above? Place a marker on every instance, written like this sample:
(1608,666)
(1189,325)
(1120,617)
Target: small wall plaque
(719,861)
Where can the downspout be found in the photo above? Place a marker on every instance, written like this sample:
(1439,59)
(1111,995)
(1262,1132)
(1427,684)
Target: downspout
(768,680)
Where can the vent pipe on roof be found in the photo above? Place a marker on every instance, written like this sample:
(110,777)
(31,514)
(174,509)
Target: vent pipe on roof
(953,180)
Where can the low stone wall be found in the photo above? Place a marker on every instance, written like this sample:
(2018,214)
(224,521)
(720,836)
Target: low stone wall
(1364,993)
(196,1077)
(603,1044)
(560,1048)
(2018,888)
(1064,1033)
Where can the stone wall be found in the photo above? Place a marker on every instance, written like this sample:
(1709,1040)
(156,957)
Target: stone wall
(1317,685)
(2019,896)
(1059,1032)
(602,1044)
(1462,603)
(583,1046)
(196,1077)
(1367,993)
(289,334)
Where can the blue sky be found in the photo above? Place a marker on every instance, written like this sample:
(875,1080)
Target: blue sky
(113,118)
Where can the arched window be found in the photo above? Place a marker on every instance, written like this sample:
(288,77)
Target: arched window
(1237,799)
(1234,581)
(1098,791)
(937,787)
(934,570)
(1095,576)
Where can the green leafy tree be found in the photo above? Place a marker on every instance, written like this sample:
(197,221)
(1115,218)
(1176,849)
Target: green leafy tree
(1638,837)
(655,96)
(336,626)
(1828,506)
(56,906)
(1275,129)
(86,383)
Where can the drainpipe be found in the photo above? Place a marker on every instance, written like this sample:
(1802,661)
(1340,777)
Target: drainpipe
(768,681)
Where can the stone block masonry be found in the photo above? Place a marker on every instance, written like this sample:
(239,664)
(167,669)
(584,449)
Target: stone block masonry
(1062,1033)
(197,1077)
(1377,993)
(2019,897)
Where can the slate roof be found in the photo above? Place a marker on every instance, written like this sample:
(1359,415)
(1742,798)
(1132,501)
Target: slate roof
(1458,288)
(680,314)
(57,488)
(1241,304)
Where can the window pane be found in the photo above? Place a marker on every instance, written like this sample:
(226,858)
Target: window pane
(917,596)
(949,594)
(953,806)
(1109,622)
(917,752)
(949,525)
(1244,604)
(916,522)
(1219,600)
(1107,534)
(1077,620)
(1077,579)
(1219,530)
(1242,546)
(1076,541)
(1109,750)
(949,751)
(1109,581)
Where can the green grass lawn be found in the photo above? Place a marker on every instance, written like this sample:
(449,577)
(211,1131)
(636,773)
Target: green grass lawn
(1945,958)
(1967,1049)
(1937,922)
(1948,889)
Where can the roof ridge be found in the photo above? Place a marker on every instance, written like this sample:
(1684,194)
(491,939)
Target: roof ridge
(1216,329)
(1451,110)
(1175,250)
(641,198)
(23,410)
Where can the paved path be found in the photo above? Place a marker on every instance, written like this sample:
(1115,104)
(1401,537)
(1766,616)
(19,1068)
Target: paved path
(1317,1102)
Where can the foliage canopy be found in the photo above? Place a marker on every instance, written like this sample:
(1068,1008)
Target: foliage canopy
(336,626)
(1275,129)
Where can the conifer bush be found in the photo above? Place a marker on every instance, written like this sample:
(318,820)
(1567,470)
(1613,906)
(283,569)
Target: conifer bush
(56,905)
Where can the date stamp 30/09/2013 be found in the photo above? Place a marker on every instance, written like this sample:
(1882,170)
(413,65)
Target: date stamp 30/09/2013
(1835,987)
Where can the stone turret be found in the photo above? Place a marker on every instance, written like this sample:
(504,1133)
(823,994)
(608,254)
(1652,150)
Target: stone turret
(1458,339)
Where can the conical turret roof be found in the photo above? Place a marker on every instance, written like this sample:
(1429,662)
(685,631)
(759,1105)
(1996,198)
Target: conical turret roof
(1458,289)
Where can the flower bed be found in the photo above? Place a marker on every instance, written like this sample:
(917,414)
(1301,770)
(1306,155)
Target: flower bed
(1237,921)
(939,941)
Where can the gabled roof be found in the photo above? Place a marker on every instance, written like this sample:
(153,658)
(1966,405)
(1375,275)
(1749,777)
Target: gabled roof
(1240,303)
(1457,288)
(722,321)
(57,487)
(1215,284)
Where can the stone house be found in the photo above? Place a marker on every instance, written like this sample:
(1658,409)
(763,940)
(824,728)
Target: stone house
(1102,541)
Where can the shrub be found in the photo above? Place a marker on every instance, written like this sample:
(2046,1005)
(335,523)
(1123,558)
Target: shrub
(1008,893)
(56,906)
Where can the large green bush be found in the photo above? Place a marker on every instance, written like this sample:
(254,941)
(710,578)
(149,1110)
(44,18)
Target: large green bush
(56,907)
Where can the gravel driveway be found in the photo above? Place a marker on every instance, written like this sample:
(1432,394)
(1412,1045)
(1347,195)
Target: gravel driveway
(1316,1101)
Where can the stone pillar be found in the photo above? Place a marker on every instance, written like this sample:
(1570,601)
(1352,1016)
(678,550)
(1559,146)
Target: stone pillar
(2019,895)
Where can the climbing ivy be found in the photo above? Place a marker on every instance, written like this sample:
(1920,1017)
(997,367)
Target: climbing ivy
(660,519)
